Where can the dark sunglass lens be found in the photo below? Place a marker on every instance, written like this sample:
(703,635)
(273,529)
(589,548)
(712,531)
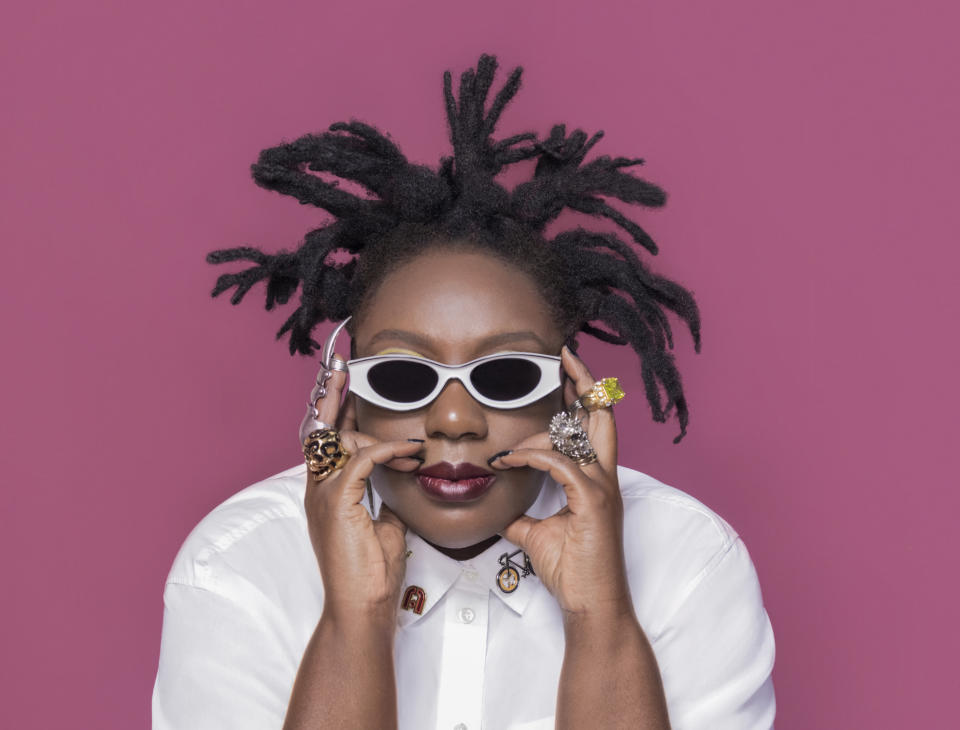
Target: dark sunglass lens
(505,379)
(402,381)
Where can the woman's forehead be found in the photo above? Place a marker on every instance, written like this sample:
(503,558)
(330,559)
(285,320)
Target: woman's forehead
(417,343)
(462,301)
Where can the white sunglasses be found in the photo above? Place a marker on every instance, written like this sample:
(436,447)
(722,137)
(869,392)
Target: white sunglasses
(405,383)
(501,380)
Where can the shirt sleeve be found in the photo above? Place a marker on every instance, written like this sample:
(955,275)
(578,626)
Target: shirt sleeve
(220,667)
(716,653)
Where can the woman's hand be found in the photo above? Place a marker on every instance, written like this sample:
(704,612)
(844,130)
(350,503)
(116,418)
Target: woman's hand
(362,561)
(578,552)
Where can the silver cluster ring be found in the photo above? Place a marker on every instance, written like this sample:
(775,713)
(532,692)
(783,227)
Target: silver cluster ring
(569,438)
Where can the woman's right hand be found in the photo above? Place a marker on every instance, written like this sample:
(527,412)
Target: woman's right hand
(362,561)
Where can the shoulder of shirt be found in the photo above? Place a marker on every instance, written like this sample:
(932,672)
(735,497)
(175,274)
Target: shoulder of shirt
(643,491)
(672,542)
(236,520)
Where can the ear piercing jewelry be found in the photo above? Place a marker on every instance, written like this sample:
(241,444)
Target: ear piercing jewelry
(566,431)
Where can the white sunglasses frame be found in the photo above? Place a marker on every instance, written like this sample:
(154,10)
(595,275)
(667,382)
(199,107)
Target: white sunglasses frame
(550,379)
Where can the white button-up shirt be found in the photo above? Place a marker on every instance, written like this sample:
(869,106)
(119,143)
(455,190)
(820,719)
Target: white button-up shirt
(244,596)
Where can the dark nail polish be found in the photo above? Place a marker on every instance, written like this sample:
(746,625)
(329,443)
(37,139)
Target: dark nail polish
(498,455)
(416,441)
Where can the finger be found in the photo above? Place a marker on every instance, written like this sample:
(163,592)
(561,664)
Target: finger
(577,370)
(518,531)
(348,484)
(347,419)
(389,517)
(328,407)
(569,391)
(601,426)
(353,441)
(542,442)
(580,489)
(391,531)
(536,441)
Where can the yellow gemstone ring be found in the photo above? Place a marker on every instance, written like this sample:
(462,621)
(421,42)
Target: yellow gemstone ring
(603,394)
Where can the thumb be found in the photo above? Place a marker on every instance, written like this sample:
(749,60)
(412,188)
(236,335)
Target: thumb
(388,517)
(391,531)
(518,531)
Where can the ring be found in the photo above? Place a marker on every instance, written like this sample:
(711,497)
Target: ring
(311,421)
(569,438)
(602,394)
(324,453)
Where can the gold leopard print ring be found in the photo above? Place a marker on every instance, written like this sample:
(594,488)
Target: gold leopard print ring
(324,453)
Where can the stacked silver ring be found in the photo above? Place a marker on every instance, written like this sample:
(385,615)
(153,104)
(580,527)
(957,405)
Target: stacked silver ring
(568,437)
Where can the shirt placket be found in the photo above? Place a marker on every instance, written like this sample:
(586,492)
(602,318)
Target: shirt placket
(460,699)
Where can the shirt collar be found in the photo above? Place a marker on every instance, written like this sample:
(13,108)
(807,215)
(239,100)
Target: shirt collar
(434,573)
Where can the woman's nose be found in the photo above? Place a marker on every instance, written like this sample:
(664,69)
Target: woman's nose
(455,414)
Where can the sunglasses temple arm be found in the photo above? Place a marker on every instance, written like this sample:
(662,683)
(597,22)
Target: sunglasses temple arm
(311,420)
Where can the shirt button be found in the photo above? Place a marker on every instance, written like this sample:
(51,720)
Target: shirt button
(459,726)
(471,575)
(466,616)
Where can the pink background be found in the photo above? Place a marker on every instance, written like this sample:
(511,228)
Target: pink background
(811,158)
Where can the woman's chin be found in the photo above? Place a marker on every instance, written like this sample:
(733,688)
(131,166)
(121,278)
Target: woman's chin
(457,540)
(456,524)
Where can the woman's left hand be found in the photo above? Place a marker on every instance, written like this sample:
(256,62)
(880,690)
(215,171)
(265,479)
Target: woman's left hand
(578,552)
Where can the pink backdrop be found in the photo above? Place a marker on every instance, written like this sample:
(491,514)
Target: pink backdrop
(811,158)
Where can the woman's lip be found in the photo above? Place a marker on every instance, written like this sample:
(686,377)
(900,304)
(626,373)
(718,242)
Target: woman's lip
(461,490)
(454,472)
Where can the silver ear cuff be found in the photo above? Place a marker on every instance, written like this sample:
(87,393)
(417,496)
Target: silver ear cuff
(328,365)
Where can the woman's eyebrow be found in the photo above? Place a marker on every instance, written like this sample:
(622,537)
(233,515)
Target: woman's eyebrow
(507,337)
(413,339)
(492,341)
(399,351)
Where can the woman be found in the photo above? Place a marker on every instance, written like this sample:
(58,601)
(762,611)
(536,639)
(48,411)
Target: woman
(483,561)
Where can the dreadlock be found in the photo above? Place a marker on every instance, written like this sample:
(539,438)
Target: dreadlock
(594,282)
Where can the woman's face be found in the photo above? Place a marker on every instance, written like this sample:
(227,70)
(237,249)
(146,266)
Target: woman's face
(452,307)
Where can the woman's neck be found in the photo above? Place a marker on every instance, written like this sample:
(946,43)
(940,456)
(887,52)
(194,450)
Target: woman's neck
(466,553)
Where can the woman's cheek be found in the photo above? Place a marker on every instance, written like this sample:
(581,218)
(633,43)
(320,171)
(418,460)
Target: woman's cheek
(386,425)
(530,421)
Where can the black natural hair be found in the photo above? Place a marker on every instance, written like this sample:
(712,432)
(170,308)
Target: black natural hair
(518,248)
(594,282)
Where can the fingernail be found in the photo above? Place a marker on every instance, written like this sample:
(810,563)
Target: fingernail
(498,455)
(416,441)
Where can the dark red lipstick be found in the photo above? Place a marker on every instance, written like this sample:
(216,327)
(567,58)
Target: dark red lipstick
(454,482)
